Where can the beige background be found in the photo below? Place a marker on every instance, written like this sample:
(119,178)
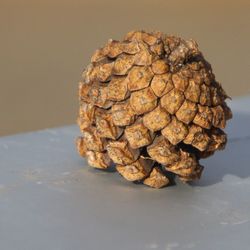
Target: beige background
(44,45)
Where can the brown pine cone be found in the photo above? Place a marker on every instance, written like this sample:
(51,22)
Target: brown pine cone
(150,104)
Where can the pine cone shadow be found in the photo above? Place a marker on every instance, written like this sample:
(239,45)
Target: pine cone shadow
(234,160)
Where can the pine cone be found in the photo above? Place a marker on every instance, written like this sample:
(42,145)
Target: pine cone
(150,104)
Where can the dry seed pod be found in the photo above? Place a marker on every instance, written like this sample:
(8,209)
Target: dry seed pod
(150,104)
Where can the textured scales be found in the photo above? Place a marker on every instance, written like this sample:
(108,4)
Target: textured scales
(150,104)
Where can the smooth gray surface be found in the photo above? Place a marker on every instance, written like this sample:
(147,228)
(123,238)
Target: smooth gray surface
(50,199)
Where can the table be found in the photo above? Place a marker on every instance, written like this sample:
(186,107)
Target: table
(50,199)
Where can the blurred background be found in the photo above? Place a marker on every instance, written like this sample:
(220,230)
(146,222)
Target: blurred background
(45,45)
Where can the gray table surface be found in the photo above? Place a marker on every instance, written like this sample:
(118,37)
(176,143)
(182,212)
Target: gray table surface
(50,199)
